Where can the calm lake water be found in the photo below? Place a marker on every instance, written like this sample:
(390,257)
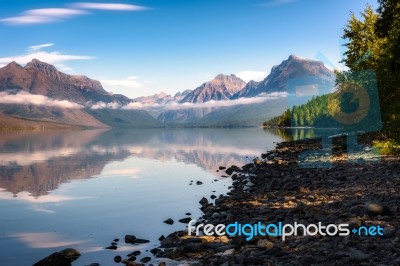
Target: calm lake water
(82,189)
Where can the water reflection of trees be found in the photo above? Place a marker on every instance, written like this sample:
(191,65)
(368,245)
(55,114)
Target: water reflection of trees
(291,134)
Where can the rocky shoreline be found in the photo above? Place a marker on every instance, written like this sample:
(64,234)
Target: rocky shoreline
(275,189)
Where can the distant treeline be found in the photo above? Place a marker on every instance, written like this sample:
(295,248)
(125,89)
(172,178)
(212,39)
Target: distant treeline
(312,114)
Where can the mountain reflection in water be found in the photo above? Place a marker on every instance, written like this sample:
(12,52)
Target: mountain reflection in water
(82,189)
(38,162)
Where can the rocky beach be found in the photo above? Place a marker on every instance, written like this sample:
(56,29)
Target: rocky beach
(275,189)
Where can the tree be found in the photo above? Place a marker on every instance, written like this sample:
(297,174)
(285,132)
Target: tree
(374,43)
(365,46)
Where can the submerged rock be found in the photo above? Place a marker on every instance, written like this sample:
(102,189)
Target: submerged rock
(130,239)
(185,220)
(62,258)
(169,221)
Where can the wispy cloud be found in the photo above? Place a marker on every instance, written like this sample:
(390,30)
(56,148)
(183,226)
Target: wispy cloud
(48,57)
(40,46)
(252,75)
(272,3)
(50,15)
(214,104)
(27,98)
(43,15)
(103,105)
(180,106)
(108,6)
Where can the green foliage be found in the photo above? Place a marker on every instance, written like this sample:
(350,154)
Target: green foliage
(312,114)
(273,122)
(387,147)
(364,47)
(377,34)
(279,121)
(284,120)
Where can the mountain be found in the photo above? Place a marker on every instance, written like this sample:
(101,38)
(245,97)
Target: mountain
(37,114)
(293,67)
(188,115)
(159,98)
(44,79)
(120,118)
(180,95)
(73,94)
(162,98)
(222,87)
(71,100)
(227,88)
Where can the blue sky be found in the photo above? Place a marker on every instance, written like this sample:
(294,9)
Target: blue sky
(147,46)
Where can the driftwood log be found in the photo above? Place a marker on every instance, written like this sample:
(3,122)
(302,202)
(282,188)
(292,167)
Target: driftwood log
(62,258)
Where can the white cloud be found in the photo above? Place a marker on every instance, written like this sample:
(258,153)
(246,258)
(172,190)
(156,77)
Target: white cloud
(108,6)
(48,15)
(103,105)
(278,2)
(252,75)
(27,98)
(210,104)
(48,57)
(55,12)
(43,15)
(40,46)
(179,106)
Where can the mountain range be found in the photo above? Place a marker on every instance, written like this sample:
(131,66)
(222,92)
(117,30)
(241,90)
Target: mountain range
(38,95)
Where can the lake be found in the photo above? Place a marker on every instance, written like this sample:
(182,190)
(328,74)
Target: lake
(82,189)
